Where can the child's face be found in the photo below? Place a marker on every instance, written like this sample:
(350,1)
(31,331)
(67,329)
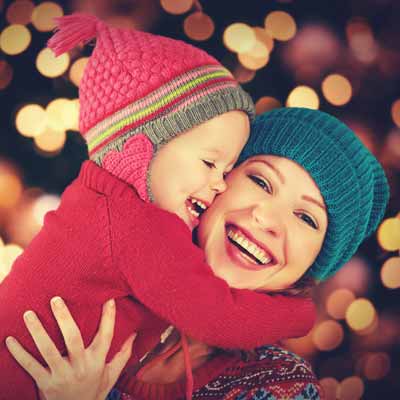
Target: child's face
(191,167)
(273,208)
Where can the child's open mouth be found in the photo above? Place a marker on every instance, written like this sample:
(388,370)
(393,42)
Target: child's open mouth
(195,207)
(249,250)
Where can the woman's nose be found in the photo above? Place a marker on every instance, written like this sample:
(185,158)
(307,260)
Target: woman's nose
(268,220)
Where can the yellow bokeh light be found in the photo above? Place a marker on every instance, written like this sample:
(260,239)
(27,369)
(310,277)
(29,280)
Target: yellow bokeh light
(10,185)
(51,141)
(389,234)
(43,205)
(56,111)
(198,26)
(337,89)
(360,314)
(77,69)
(243,75)
(263,37)
(280,25)
(70,115)
(176,6)
(328,335)
(8,254)
(239,37)
(267,103)
(51,66)
(338,301)
(6,74)
(31,120)
(15,39)
(20,12)
(330,386)
(351,388)
(303,96)
(395,111)
(390,273)
(376,366)
(43,16)
(253,62)
(1,242)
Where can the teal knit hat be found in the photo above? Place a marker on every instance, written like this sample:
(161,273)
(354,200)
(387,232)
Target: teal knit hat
(350,179)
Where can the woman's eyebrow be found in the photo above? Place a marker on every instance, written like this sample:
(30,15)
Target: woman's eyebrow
(271,166)
(315,201)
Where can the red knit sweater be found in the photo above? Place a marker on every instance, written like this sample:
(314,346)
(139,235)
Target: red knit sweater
(104,242)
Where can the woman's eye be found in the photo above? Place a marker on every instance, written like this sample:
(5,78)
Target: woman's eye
(308,220)
(264,184)
(209,164)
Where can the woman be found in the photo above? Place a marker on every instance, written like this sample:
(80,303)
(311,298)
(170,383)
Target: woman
(305,194)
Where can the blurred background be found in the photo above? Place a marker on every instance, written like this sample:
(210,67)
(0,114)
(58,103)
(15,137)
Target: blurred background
(342,57)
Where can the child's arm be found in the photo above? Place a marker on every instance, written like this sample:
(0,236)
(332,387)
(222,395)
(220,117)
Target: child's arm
(168,274)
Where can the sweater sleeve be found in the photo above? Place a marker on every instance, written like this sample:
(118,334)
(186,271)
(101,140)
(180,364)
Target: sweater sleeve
(168,274)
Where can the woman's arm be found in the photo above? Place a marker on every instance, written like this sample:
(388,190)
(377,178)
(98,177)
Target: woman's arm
(84,374)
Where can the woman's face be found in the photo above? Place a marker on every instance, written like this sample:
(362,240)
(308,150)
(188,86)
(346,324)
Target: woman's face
(267,228)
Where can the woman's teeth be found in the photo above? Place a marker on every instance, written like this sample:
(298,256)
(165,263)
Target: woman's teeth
(255,251)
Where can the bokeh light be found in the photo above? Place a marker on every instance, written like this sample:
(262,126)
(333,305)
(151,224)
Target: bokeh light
(8,254)
(256,59)
(328,335)
(376,366)
(43,205)
(263,37)
(198,26)
(31,120)
(176,6)
(330,386)
(56,111)
(15,39)
(280,25)
(389,234)
(390,273)
(337,89)
(243,75)
(303,96)
(395,111)
(43,16)
(10,185)
(239,37)
(77,69)
(51,66)
(20,12)
(361,40)
(360,314)
(351,388)
(267,103)
(338,301)
(6,74)
(51,141)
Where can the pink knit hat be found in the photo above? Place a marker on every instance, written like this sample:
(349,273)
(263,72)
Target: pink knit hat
(139,83)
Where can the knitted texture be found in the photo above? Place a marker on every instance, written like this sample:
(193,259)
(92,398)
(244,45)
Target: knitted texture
(107,243)
(270,373)
(350,179)
(137,82)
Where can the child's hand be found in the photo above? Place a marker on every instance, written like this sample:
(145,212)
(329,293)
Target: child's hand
(84,374)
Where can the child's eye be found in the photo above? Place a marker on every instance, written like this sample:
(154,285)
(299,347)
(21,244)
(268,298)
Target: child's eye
(263,183)
(308,220)
(210,164)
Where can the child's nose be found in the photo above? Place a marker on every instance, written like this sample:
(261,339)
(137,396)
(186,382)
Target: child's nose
(218,184)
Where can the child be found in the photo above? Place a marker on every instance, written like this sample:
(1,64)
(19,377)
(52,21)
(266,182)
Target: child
(138,93)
